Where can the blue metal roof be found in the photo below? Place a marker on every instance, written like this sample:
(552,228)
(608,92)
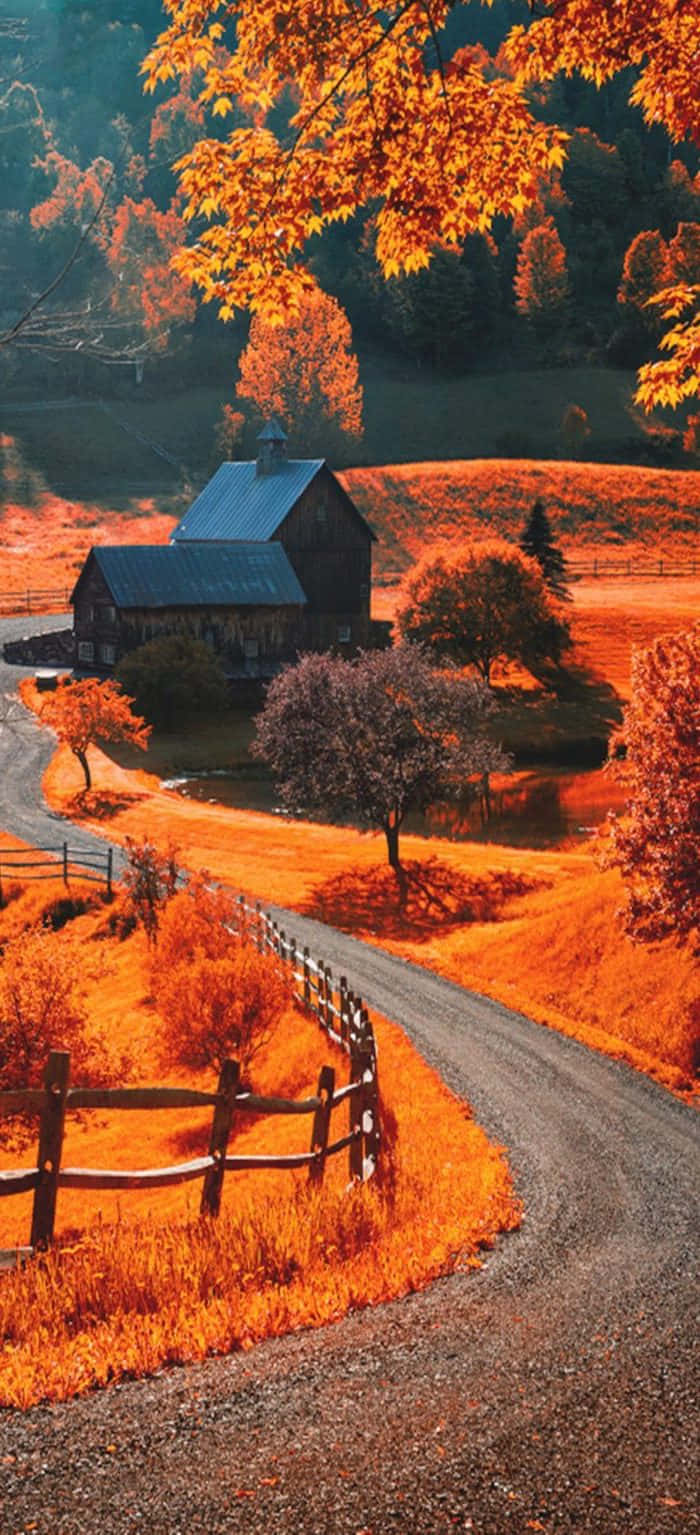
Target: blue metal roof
(199,575)
(238,503)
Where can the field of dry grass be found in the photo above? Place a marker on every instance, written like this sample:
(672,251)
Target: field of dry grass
(593,508)
(137,1280)
(506,921)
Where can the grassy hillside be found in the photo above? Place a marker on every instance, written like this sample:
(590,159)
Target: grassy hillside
(589,504)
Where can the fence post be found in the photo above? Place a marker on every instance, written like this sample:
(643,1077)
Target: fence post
(218,1141)
(355,1102)
(343,1008)
(241,915)
(281,944)
(321,1124)
(65,863)
(110,856)
(327,996)
(307,978)
(56,1078)
(369,1098)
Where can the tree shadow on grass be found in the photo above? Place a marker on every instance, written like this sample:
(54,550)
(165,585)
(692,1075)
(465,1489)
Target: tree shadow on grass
(438,899)
(101,804)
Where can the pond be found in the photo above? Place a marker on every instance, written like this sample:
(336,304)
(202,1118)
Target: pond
(540,808)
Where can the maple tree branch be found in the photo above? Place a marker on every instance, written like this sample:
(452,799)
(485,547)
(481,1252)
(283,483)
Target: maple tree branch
(440,61)
(360,58)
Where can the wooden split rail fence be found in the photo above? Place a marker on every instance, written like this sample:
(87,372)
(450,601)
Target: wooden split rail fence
(339,1012)
(55,863)
(46,599)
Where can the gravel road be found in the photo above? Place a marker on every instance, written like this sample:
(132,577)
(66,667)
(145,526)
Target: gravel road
(551,1391)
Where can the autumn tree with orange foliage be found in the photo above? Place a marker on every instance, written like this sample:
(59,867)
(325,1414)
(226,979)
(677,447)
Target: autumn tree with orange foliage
(437,147)
(218,997)
(656,845)
(82,713)
(146,289)
(480,603)
(306,373)
(541,280)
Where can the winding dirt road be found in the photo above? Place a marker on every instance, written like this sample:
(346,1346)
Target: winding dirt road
(552,1391)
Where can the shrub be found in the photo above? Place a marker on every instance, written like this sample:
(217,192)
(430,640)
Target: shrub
(217,1007)
(150,879)
(172,678)
(42,1009)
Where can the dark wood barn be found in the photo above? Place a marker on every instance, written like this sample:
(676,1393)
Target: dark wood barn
(272,558)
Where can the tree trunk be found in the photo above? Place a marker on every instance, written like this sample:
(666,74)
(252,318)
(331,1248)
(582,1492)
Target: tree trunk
(391,832)
(85,765)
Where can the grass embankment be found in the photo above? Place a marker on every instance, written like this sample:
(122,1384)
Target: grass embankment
(540,931)
(595,509)
(137,1280)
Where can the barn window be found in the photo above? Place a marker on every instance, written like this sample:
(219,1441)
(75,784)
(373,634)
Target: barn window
(108,613)
(251,648)
(344,634)
(321,515)
(108,654)
(86,650)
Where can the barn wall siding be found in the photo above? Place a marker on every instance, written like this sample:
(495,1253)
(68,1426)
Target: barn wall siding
(330,549)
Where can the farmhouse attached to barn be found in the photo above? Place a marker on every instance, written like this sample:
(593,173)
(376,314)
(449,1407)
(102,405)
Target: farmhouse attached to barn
(272,558)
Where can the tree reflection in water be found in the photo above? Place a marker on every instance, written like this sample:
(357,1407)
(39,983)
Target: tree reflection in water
(542,808)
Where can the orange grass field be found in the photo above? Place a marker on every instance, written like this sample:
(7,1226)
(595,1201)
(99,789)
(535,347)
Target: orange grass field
(603,509)
(137,1280)
(539,931)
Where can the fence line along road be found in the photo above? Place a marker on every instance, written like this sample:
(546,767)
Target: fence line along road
(338,1011)
(55,863)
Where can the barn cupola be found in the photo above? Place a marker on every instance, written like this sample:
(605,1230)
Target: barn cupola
(272,452)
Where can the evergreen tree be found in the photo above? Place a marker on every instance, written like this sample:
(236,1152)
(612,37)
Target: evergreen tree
(537,541)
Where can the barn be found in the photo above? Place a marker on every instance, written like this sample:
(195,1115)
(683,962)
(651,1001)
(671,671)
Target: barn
(272,558)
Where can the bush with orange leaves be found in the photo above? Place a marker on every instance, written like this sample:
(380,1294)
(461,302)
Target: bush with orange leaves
(42,1008)
(218,997)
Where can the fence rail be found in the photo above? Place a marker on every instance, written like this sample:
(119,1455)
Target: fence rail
(608,567)
(35,599)
(60,862)
(343,1018)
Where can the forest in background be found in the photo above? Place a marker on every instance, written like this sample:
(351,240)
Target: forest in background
(84,155)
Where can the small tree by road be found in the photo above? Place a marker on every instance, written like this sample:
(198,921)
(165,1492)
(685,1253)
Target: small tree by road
(83,713)
(656,844)
(374,738)
(482,603)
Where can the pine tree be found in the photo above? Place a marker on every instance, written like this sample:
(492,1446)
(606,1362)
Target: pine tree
(536,540)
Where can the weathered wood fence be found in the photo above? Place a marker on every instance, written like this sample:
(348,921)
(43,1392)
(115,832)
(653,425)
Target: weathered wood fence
(35,599)
(55,863)
(604,567)
(344,1019)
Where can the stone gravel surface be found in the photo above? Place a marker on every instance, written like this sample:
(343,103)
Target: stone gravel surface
(553,1390)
